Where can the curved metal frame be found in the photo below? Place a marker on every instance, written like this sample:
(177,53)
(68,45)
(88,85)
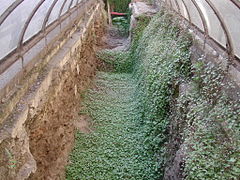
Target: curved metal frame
(204,22)
(185,5)
(229,45)
(9,10)
(15,56)
(42,31)
(20,42)
(14,5)
(69,7)
(48,15)
(50,11)
(236,3)
(60,12)
(178,7)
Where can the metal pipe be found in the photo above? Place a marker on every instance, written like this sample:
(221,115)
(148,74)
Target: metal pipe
(60,12)
(48,15)
(70,5)
(9,10)
(229,45)
(236,3)
(20,42)
(189,17)
(12,57)
(204,22)
(178,7)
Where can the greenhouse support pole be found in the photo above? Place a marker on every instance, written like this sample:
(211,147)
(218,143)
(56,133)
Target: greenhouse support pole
(109,13)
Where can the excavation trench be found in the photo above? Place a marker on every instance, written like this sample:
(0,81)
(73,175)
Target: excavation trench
(113,140)
(52,130)
(102,107)
(129,110)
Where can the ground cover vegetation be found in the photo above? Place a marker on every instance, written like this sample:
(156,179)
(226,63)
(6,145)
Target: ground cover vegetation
(122,23)
(131,110)
(212,125)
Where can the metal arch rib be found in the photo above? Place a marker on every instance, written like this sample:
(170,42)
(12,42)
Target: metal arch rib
(168,3)
(189,17)
(9,10)
(60,12)
(225,29)
(20,42)
(236,2)
(171,4)
(204,22)
(69,7)
(48,15)
(178,7)
(77,2)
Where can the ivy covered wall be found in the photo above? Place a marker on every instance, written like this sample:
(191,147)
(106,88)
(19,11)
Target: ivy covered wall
(171,106)
(202,121)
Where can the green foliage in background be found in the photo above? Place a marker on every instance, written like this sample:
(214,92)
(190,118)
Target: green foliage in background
(123,61)
(123,24)
(120,5)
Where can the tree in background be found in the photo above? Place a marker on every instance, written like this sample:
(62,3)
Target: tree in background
(119,5)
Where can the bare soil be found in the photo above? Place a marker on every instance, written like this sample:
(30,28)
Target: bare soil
(52,130)
(113,40)
(84,124)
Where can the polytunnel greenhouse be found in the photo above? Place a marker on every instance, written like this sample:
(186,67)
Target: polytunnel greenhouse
(118,90)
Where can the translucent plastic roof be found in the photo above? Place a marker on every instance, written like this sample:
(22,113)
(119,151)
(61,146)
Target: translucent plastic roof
(217,19)
(20,20)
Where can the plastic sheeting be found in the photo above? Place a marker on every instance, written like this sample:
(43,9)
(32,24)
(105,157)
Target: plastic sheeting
(55,12)
(5,4)
(222,18)
(36,23)
(231,16)
(13,25)
(222,21)
(11,28)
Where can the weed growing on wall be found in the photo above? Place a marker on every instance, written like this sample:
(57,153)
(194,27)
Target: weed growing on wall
(162,58)
(212,131)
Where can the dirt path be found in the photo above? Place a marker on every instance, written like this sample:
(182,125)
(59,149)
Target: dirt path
(114,148)
(114,41)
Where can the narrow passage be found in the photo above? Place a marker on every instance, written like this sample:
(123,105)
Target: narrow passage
(115,149)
